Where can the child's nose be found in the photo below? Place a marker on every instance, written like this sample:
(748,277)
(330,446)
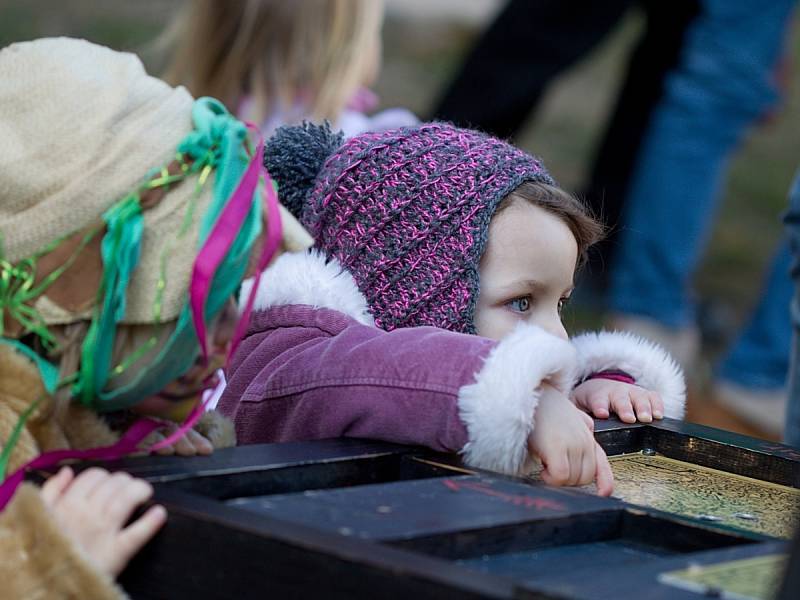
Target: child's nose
(556,328)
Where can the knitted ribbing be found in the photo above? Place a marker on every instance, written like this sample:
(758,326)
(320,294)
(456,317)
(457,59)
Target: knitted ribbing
(407,212)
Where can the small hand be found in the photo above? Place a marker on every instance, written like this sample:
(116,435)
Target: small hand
(190,444)
(92,509)
(563,440)
(601,397)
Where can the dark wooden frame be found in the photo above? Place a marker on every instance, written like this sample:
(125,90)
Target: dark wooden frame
(212,548)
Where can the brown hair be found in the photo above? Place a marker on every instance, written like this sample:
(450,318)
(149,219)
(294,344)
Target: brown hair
(583,225)
(282,53)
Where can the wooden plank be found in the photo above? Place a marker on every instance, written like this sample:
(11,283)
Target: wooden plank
(256,457)
(404,510)
(546,538)
(705,446)
(640,581)
(208,550)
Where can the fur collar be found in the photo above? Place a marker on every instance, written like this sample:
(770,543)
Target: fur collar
(307,278)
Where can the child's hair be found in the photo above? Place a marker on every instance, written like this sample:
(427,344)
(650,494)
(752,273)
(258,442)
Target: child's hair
(407,211)
(279,52)
(584,227)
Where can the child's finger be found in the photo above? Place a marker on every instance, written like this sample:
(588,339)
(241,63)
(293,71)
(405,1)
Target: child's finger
(575,465)
(621,402)
(588,420)
(604,475)
(165,450)
(184,448)
(110,489)
(55,485)
(641,403)
(588,467)
(86,482)
(200,443)
(135,492)
(138,533)
(657,405)
(599,406)
(556,471)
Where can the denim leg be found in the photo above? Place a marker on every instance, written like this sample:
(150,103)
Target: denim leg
(760,357)
(792,222)
(722,83)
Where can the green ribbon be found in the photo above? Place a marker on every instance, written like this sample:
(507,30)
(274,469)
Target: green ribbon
(120,253)
(217,144)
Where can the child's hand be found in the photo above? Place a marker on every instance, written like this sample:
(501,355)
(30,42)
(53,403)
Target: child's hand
(92,509)
(564,442)
(192,442)
(600,397)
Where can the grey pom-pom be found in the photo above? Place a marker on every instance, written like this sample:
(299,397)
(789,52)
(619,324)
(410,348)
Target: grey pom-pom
(294,157)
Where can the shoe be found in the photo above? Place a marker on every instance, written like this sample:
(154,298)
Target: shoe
(683,344)
(763,409)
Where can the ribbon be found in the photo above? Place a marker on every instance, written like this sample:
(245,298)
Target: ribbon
(271,245)
(127,444)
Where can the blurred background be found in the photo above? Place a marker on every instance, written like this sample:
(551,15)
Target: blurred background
(424,44)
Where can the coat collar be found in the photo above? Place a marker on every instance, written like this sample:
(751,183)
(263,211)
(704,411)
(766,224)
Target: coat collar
(308,278)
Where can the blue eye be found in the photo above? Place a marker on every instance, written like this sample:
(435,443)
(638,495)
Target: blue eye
(522,304)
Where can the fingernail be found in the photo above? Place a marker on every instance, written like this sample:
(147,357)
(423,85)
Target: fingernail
(657,414)
(645,418)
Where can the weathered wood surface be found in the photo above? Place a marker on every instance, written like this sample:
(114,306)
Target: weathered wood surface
(347,518)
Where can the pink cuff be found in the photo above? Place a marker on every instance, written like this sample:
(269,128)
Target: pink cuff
(613,375)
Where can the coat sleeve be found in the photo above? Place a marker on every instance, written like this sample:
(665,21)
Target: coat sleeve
(337,377)
(647,363)
(38,561)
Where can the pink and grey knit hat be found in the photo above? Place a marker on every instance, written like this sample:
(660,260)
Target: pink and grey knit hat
(406,211)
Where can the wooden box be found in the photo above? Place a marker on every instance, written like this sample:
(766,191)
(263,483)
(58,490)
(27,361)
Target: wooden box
(698,511)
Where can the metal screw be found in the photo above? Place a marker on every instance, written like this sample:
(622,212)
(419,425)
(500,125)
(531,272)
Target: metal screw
(745,516)
(709,518)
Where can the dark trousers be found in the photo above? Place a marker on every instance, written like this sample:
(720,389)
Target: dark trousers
(532,41)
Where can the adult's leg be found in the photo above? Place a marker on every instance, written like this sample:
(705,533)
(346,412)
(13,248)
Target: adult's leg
(655,55)
(529,43)
(722,84)
(760,357)
(792,221)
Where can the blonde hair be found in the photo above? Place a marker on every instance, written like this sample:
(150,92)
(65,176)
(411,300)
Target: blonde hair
(283,53)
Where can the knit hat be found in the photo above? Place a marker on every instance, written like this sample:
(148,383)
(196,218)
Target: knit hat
(406,212)
(111,182)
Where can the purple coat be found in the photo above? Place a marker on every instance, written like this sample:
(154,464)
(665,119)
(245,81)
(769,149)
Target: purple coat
(313,366)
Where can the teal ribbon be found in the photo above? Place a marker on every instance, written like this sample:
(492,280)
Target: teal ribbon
(120,250)
(218,141)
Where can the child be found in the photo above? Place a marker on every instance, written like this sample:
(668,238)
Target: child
(113,186)
(425,237)
(70,540)
(281,62)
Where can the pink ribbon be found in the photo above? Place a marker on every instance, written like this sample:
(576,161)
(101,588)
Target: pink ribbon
(127,444)
(271,245)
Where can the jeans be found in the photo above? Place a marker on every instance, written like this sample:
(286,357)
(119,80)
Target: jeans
(722,84)
(792,221)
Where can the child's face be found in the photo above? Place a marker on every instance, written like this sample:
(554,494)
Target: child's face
(526,271)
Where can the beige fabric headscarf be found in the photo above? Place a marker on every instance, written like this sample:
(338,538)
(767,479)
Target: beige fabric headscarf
(80,127)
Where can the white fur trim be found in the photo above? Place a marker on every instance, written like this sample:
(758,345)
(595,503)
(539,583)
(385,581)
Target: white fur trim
(498,409)
(648,363)
(307,278)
